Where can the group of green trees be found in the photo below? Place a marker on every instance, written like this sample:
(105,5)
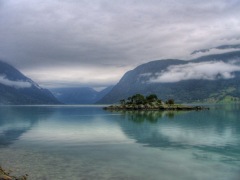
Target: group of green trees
(140,99)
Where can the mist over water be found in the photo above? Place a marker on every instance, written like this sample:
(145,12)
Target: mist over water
(76,142)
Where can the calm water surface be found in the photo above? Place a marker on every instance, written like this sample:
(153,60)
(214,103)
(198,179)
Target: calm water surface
(75,142)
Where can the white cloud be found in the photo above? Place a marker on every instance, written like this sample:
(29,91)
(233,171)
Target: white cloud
(16,84)
(214,51)
(203,70)
(77,76)
(77,33)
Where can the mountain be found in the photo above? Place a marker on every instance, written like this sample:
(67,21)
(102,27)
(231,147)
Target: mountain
(102,93)
(15,88)
(208,78)
(79,95)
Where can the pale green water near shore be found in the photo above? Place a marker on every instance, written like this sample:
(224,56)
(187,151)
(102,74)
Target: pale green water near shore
(76,142)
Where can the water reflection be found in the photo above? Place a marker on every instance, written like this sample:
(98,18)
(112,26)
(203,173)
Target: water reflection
(142,116)
(15,121)
(91,143)
(212,129)
(149,116)
(58,126)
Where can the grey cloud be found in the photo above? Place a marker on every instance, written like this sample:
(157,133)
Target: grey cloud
(16,84)
(204,70)
(77,33)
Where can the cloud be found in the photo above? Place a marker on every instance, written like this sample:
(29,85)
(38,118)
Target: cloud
(215,50)
(16,84)
(48,34)
(84,76)
(203,70)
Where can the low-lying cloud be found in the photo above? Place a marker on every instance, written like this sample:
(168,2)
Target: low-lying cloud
(203,70)
(16,84)
(210,51)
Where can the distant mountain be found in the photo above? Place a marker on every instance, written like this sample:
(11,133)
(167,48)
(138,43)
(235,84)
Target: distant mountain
(209,78)
(103,93)
(222,47)
(15,88)
(81,95)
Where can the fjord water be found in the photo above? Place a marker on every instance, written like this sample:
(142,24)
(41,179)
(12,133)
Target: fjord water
(76,142)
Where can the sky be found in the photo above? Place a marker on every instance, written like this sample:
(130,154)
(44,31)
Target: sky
(79,43)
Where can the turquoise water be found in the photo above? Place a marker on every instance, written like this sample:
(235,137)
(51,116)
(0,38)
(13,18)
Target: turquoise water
(76,142)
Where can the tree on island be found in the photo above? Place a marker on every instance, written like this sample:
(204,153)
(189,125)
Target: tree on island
(151,98)
(122,101)
(150,102)
(140,99)
(170,102)
(130,100)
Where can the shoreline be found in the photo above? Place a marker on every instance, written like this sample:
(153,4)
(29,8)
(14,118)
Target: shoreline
(5,175)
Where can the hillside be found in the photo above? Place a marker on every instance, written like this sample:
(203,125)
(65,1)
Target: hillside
(210,78)
(17,89)
(79,95)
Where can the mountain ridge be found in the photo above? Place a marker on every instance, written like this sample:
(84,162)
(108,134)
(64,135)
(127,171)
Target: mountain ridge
(140,80)
(79,95)
(17,89)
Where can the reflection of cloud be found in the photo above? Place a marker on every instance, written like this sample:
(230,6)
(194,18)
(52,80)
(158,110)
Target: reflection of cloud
(18,120)
(93,132)
(16,84)
(11,131)
(181,131)
(195,138)
(203,70)
(15,125)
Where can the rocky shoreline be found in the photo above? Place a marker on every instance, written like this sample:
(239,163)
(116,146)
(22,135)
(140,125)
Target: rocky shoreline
(148,107)
(5,175)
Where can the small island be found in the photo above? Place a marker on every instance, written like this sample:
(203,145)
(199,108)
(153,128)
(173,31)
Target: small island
(152,103)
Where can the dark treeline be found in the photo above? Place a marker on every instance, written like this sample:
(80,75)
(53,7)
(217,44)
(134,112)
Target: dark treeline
(140,99)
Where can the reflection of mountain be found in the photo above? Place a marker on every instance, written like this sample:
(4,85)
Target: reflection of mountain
(7,137)
(212,129)
(15,121)
(144,127)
